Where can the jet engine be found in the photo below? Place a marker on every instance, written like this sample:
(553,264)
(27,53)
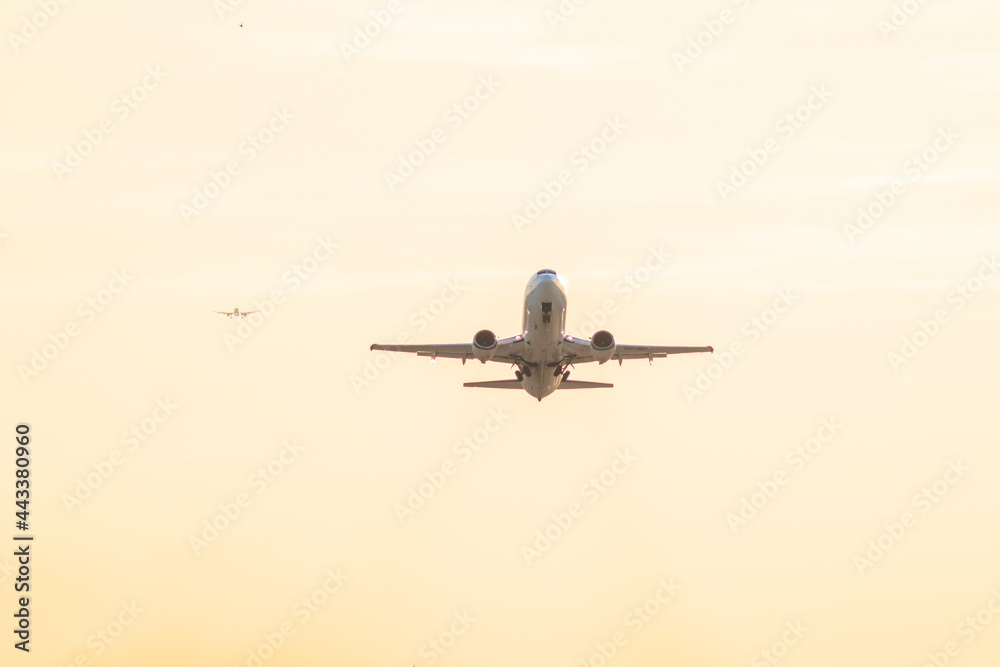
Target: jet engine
(602,346)
(484,345)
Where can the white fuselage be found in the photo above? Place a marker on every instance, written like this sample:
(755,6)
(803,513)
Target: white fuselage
(544,327)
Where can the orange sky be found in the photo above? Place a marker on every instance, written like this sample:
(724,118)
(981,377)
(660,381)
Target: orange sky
(798,185)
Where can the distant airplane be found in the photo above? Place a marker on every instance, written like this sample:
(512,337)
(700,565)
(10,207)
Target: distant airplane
(543,351)
(236,313)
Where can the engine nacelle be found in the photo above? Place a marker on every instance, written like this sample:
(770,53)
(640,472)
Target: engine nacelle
(484,345)
(602,346)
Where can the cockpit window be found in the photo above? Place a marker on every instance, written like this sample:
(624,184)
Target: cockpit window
(544,272)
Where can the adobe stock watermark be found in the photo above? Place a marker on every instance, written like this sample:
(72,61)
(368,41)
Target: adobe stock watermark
(434,648)
(712,30)
(751,330)
(899,16)
(628,285)
(302,611)
(796,459)
(121,108)
(453,117)
(580,160)
(101,639)
(562,12)
(635,620)
(230,510)
(370,29)
(786,127)
(296,276)
(778,649)
(419,320)
(957,299)
(915,167)
(463,451)
(970,628)
(88,310)
(131,440)
(223,7)
(590,491)
(922,501)
(246,152)
(33,24)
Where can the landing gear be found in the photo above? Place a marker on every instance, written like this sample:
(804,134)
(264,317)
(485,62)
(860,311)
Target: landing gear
(518,376)
(566,375)
(557,372)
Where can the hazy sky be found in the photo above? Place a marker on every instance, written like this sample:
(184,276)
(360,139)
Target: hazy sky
(808,187)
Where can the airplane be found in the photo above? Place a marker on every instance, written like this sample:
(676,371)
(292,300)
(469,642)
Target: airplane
(236,313)
(543,351)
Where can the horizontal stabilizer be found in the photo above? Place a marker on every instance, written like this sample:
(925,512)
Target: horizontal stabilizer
(514,384)
(580,384)
(496,384)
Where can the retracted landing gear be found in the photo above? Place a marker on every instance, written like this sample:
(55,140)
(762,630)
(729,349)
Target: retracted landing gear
(562,368)
(546,312)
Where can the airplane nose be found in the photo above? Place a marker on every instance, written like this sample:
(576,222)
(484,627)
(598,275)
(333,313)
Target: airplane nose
(548,288)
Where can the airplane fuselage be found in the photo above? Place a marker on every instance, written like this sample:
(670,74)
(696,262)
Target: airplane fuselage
(543,326)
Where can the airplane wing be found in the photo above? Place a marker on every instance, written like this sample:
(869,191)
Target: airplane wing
(578,351)
(221,312)
(249,312)
(508,350)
